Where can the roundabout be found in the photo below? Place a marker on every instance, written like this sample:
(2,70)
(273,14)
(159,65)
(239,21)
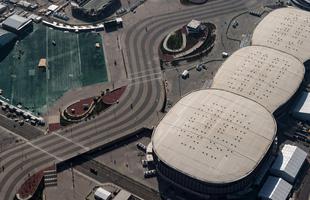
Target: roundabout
(190,41)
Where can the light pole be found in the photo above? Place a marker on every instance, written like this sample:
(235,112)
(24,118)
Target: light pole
(0,154)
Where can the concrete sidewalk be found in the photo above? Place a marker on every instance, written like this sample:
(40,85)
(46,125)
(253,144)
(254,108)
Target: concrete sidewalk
(72,185)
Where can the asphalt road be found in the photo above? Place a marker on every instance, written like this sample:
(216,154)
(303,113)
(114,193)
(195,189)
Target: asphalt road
(145,93)
(27,131)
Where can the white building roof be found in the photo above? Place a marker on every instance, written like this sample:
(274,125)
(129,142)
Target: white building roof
(2,6)
(102,193)
(214,136)
(275,189)
(17,22)
(287,30)
(52,7)
(122,195)
(194,24)
(289,160)
(25,4)
(265,75)
(303,104)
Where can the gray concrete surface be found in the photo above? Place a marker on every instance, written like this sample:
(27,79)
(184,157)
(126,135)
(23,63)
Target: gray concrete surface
(72,185)
(126,159)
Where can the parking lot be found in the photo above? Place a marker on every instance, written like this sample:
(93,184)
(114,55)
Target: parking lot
(127,160)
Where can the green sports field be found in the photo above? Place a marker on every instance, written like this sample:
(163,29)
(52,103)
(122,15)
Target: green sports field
(73,61)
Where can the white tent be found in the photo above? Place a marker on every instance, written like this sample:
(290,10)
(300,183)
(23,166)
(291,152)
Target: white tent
(288,162)
(102,194)
(275,189)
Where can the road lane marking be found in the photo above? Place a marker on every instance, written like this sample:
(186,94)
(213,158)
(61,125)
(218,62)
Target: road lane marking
(139,77)
(77,144)
(36,147)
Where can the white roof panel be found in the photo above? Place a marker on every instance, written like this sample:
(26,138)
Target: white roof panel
(16,21)
(122,195)
(287,30)
(102,193)
(194,24)
(52,7)
(275,189)
(290,160)
(265,75)
(303,104)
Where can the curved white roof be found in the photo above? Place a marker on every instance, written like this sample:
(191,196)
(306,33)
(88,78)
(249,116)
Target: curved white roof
(287,30)
(262,74)
(214,136)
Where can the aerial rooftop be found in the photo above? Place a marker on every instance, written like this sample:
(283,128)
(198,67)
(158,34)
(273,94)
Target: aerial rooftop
(267,76)
(214,136)
(17,22)
(289,162)
(275,188)
(287,30)
(194,24)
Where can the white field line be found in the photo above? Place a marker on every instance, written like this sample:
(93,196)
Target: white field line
(79,55)
(47,74)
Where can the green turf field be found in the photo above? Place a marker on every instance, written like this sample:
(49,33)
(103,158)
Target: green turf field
(73,61)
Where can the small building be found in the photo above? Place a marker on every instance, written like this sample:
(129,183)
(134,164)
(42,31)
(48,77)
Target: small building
(24,4)
(301,109)
(110,24)
(35,18)
(288,163)
(102,194)
(149,148)
(122,195)
(149,158)
(42,64)
(13,1)
(119,21)
(97,45)
(3,8)
(52,8)
(17,24)
(275,189)
(193,26)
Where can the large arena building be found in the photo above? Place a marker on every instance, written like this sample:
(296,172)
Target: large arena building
(214,142)
(93,9)
(205,142)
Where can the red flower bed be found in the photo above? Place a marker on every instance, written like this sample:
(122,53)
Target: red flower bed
(114,96)
(54,127)
(30,186)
